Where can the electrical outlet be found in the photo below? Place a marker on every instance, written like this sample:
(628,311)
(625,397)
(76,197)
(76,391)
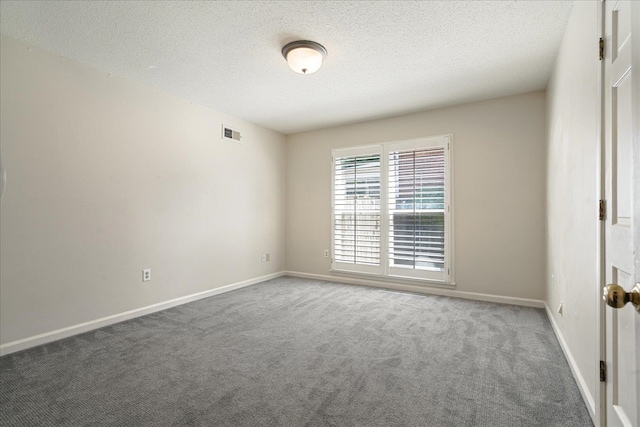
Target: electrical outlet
(146,274)
(263,258)
(326,253)
(268,257)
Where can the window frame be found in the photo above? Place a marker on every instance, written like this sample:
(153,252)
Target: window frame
(384,271)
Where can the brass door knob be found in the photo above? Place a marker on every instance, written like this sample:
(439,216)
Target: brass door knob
(616,297)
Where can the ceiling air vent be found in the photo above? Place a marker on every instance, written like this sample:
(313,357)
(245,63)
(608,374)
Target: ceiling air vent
(230,134)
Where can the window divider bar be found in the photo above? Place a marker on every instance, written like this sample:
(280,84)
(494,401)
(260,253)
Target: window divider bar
(355,210)
(415,202)
(384,209)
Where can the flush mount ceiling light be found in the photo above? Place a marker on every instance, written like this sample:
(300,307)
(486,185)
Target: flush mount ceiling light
(304,56)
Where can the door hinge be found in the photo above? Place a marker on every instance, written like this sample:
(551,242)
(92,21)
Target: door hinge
(601,48)
(603,371)
(602,209)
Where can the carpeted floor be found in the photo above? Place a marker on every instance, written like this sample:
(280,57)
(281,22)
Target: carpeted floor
(294,352)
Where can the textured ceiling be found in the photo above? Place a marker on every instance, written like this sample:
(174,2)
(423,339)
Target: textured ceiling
(385,57)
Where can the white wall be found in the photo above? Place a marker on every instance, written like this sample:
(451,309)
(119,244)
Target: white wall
(572,196)
(106,177)
(499,190)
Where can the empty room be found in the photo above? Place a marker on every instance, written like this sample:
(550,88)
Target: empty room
(320,213)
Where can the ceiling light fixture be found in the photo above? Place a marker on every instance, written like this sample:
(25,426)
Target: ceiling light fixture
(304,56)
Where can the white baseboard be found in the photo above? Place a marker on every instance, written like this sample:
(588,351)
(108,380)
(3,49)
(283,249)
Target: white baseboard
(421,289)
(582,385)
(47,337)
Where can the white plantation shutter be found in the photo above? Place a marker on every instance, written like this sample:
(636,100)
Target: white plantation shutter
(417,209)
(391,209)
(356,209)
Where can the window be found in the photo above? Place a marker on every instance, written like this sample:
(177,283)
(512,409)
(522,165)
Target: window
(391,209)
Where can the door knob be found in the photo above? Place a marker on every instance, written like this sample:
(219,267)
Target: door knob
(616,297)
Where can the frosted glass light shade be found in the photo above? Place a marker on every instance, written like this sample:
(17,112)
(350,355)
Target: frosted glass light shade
(304,57)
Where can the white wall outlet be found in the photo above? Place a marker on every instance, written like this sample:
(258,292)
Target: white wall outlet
(263,258)
(146,274)
(326,253)
(268,257)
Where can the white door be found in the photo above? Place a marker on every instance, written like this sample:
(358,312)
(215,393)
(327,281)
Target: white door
(622,190)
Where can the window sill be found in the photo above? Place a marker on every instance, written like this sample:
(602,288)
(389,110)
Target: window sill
(396,279)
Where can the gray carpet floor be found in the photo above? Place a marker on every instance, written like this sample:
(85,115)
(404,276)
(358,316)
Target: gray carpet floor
(294,352)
